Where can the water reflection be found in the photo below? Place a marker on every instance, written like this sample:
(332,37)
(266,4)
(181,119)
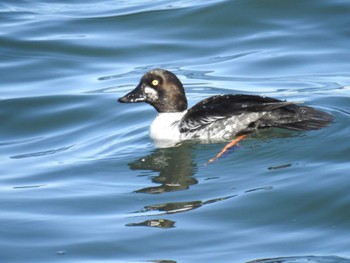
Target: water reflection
(178,207)
(172,208)
(175,167)
(160,223)
(174,170)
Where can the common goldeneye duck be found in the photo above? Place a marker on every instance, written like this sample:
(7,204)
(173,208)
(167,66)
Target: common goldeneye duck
(217,118)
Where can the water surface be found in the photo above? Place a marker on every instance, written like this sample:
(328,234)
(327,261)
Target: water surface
(81,181)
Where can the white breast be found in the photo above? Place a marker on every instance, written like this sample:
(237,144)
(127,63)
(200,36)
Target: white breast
(165,128)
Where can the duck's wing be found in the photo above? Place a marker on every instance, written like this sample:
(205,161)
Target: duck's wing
(223,106)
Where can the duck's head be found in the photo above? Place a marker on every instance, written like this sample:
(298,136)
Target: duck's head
(160,88)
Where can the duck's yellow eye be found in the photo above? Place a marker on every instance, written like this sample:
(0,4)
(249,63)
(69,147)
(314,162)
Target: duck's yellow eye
(155,82)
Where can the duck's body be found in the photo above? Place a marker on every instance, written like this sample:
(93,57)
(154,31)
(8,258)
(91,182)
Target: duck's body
(171,127)
(216,118)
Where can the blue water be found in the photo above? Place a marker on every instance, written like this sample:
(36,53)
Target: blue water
(81,181)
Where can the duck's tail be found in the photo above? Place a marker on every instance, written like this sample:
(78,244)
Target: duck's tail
(308,118)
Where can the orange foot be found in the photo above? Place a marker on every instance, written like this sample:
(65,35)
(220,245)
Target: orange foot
(227,147)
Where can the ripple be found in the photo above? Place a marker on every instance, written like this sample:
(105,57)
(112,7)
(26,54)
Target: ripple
(29,186)
(41,153)
(104,9)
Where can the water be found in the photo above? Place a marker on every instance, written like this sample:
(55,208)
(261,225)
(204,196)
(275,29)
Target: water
(82,182)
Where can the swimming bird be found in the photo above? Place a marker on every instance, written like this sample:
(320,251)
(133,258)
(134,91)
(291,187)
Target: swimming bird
(216,118)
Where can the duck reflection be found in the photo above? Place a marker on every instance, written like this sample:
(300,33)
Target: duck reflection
(179,207)
(175,166)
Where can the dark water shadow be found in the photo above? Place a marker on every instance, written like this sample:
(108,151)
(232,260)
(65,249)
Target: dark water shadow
(175,167)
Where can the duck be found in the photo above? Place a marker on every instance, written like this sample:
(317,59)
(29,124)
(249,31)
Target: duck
(217,118)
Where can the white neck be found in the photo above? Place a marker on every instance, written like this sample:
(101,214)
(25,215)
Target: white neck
(165,126)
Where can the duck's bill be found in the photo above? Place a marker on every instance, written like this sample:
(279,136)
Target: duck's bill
(134,96)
